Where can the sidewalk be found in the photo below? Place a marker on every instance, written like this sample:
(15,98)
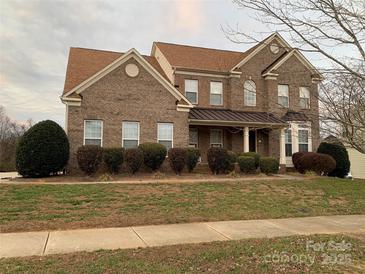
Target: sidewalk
(68,241)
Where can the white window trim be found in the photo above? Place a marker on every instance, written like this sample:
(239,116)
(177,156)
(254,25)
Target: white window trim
(197,143)
(210,93)
(245,102)
(309,97)
(138,132)
(102,131)
(283,96)
(197,91)
(210,140)
(172,134)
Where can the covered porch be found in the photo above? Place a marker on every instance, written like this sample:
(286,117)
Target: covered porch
(238,131)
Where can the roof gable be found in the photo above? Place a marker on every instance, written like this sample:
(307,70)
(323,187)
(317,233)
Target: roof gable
(132,53)
(83,63)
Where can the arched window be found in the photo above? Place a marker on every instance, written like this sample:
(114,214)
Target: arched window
(250,93)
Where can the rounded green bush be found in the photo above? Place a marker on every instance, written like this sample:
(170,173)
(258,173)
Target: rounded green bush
(339,153)
(133,158)
(177,157)
(254,155)
(113,158)
(246,163)
(43,150)
(153,154)
(89,158)
(218,160)
(269,165)
(192,158)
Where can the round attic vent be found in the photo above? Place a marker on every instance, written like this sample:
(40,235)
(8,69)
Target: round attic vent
(274,48)
(132,70)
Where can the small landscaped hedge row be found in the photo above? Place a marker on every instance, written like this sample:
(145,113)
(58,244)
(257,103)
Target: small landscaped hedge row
(222,161)
(152,155)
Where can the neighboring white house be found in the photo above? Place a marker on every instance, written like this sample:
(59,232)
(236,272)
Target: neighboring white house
(357,161)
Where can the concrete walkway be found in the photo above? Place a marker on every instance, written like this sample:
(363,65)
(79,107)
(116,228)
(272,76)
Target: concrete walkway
(68,241)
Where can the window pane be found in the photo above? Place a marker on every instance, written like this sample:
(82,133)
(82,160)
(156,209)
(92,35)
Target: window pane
(130,143)
(283,90)
(191,96)
(167,144)
(250,93)
(303,92)
(191,85)
(303,136)
(303,147)
(288,150)
(304,103)
(165,131)
(93,142)
(193,136)
(215,136)
(283,101)
(215,99)
(93,129)
(216,88)
(130,130)
(287,136)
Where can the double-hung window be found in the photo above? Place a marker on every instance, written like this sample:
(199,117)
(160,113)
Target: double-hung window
(303,139)
(304,98)
(130,134)
(191,91)
(249,93)
(93,132)
(216,93)
(165,132)
(283,96)
(288,143)
(216,138)
(193,137)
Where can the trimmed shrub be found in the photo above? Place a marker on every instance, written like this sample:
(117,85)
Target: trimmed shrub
(269,165)
(89,158)
(43,150)
(339,153)
(320,163)
(247,164)
(113,158)
(218,160)
(153,154)
(295,157)
(133,159)
(254,155)
(192,158)
(177,158)
(232,160)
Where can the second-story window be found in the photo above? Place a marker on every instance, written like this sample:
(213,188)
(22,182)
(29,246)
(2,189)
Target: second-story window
(283,96)
(216,93)
(191,91)
(250,93)
(304,98)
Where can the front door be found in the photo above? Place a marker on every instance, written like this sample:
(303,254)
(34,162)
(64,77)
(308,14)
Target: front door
(252,141)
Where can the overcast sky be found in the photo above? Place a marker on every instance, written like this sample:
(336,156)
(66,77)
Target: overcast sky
(35,37)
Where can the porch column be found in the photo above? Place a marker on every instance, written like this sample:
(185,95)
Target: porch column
(282,160)
(246,140)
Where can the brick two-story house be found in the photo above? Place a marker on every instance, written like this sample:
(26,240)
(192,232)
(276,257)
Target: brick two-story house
(263,99)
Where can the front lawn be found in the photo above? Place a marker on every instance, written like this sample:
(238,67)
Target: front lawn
(43,207)
(279,255)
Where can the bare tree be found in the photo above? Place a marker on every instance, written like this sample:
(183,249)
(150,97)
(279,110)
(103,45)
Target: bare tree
(334,29)
(10,131)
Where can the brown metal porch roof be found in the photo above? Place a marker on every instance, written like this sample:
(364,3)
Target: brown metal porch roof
(236,117)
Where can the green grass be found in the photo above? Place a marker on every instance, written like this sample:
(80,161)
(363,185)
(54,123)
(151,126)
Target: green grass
(245,256)
(40,207)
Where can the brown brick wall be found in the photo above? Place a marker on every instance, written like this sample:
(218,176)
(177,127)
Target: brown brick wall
(117,98)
